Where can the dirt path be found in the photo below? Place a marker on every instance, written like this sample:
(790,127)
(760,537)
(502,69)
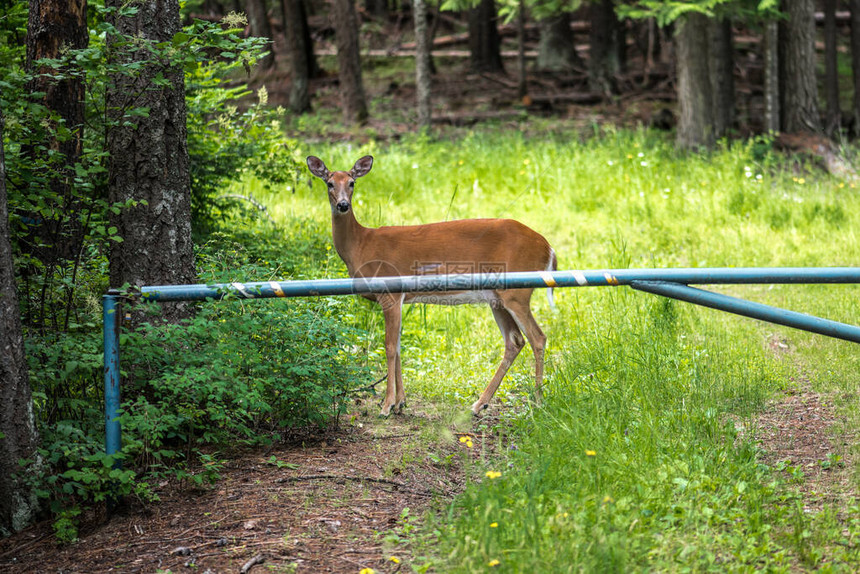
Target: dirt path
(321,506)
(796,434)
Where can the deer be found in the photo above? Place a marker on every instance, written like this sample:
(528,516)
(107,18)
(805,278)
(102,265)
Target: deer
(468,245)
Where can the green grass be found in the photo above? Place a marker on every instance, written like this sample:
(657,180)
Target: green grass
(664,394)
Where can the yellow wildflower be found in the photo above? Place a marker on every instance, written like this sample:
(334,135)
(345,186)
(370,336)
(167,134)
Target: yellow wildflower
(494,525)
(590,453)
(394,559)
(493,562)
(492,474)
(467,440)
(367,571)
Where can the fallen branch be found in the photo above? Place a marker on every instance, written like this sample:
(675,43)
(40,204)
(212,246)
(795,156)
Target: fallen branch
(258,559)
(397,53)
(471,119)
(23,547)
(568,98)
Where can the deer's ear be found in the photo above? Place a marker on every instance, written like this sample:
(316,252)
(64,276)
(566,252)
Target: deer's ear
(317,167)
(362,166)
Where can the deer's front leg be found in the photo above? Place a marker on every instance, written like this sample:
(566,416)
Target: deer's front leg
(392,309)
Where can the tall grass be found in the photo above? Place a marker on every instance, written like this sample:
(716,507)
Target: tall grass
(643,456)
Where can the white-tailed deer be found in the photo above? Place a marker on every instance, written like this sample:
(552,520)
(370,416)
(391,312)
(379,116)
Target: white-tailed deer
(466,246)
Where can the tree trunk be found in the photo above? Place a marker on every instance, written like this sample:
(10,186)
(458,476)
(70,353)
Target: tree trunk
(302,60)
(18,504)
(556,51)
(621,45)
(349,62)
(831,71)
(771,77)
(800,88)
(422,64)
(377,8)
(484,40)
(855,60)
(149,161)
(258,20)
(695,121)
(431,36)
(722,63)
(53,27)
(603,60)
(522,85)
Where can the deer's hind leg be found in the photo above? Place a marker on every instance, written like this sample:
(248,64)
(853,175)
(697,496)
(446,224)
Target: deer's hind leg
(514,343)
(516,302)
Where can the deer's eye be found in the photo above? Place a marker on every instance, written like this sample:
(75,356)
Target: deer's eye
(351,184)
(329,184)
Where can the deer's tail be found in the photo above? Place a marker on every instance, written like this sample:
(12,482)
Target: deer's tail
(551,266)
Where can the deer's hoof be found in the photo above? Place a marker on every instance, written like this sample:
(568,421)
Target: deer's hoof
(478,407)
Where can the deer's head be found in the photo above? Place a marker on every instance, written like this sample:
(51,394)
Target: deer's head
(340,183)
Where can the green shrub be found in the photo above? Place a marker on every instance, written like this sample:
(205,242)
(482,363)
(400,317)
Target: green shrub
(238,373)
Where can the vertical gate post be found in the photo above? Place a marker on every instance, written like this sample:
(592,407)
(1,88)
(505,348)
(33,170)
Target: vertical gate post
(111,315)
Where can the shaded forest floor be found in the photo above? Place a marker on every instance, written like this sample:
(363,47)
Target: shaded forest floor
(329,501)
(463,99)
(644,92)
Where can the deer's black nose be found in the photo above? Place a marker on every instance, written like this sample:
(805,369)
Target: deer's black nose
(343,206)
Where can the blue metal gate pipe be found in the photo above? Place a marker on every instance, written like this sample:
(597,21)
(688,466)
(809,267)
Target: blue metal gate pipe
(667,282)
(750,309)
(113,432)
(518,280)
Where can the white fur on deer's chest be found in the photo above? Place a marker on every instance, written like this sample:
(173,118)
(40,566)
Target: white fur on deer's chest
(454,298)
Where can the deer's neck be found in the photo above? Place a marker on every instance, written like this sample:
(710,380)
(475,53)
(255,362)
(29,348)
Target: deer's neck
(348,235)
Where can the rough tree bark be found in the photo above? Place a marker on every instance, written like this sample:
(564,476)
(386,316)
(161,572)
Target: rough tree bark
(53,27)
(800,90)
(695,117)
(556,51)
(19,439)
(484,39)
(831,71)
(349,62)
(422,64)
(771,77)
(302,59)
(258,20)
(149,161)
(603,60)
(722,63)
